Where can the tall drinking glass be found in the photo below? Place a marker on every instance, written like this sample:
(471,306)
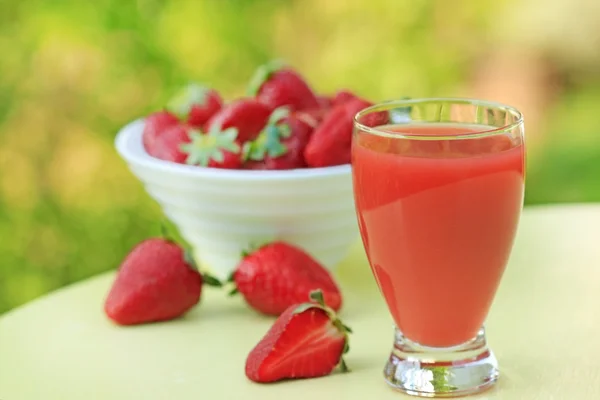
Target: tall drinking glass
(438,186)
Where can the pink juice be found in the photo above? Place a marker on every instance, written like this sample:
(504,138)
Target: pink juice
(438,219)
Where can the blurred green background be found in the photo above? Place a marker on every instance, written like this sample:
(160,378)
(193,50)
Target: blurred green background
(73,72)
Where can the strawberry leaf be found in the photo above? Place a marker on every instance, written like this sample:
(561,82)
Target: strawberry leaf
(164,232)
(343,366)
(210,146)
(246,151)
(189,259)
(268,141)
(211,280)
(231,277)
(338,322)
(262,74)
(346,327)
(254,150)
(255,245)
(278,114)
(273,145)
(317,297)
(231,281)
(189,95)
(317,301)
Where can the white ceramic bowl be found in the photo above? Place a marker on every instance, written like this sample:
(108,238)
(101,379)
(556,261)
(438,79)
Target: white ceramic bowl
(223,212)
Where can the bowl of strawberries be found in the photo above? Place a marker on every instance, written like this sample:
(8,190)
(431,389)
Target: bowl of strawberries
(273,165)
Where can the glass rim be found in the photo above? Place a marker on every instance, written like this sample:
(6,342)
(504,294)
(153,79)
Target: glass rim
(388,105)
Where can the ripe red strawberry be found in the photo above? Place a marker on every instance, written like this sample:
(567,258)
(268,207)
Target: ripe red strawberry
(231,160)
(375,119)
(214,149)
(196,104)
(155,125)
(343,96)
(167,146)
(306,341)
(247,116)
(324,102)
(155,283)
(319,113)
(279,275)
(308,118)
(330,142)
(277,85)
(281,144)
(316,114)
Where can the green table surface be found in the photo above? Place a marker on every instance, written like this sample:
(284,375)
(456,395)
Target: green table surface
(544,328)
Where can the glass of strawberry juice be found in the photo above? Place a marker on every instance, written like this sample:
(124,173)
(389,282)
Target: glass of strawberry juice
(438,186)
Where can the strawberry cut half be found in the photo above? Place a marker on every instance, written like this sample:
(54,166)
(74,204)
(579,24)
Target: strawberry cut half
(307,341)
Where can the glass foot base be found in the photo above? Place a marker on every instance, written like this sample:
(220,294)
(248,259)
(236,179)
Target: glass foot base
(441,372)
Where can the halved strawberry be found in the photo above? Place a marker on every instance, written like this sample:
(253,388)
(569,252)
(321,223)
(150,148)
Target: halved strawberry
(278,275)
(281,143)
(330,143)
(247,116)
(308,340)
(167,146)
(277,85)
(155,125)
(196,104)
(213,149)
